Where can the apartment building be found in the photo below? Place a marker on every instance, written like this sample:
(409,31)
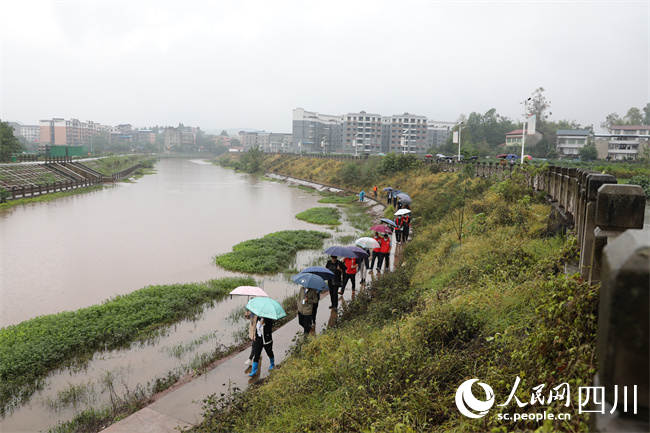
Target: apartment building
(69,132)
(31,133)
(315,132)
(438,132)
(623,142)
(570,141)
(362,133)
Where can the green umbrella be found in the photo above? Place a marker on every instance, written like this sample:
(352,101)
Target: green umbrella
(266,307)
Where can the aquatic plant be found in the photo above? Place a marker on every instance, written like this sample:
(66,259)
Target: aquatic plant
(33,348)
(321,215)
(271,253)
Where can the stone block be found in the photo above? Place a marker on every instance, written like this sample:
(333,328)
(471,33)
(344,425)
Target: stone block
(620,207)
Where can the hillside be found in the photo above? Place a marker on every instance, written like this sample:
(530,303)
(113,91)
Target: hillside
(480,294)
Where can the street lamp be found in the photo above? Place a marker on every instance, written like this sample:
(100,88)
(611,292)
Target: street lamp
(523,128)
(460,129)
(354,142)
(404,142)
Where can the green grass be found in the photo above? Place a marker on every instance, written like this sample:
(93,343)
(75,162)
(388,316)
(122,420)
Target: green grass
(494,306)
(271,253)
(321,215)
(338,199)
(31,349)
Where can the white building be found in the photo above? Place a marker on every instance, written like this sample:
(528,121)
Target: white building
(624,142)
(570,141)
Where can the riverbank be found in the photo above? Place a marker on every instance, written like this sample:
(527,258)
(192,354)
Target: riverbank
(481,294)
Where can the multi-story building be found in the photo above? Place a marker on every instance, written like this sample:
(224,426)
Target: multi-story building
(280,142)
(70,132)
(248,139)
(624,142)
(362,133)
(438,132)
(315,132)
(407,133)
(570,141)
(31,133)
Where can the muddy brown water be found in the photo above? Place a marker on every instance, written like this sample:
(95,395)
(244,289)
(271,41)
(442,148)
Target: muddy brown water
(164,228)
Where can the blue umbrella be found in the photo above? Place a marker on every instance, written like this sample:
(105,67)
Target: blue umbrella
(311,281)
(361,253)
(397,191)
(338,251)
(322,272)
(266,307)
(387,221)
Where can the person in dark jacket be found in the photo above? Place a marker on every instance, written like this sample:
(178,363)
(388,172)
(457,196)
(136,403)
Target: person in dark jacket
(338,268)
(263,340)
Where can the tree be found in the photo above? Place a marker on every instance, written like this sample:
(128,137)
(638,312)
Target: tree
(9,144)
(611,120)
(254,160)
(646,115)
(634,117)
(538,105)
(588,153)
(224,133)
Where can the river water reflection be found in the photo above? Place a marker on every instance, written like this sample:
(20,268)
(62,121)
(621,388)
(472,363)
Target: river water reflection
(164,228)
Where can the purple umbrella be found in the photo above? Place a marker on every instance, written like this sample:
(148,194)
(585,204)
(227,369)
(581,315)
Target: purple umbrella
(338,251)
(360,252)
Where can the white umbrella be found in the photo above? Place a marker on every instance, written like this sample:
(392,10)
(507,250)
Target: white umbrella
(402,212)
(367,242)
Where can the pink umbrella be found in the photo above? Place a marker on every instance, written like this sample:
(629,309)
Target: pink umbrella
(528,157)
(381,228)
(249,291)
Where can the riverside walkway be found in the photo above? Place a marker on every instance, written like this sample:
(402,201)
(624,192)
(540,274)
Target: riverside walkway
(182,408)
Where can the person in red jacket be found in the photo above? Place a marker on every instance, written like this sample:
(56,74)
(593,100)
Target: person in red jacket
(376,253)
(406,225)
(398,229)
(350,274)
(385,252)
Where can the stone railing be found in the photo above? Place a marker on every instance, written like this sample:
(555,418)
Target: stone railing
(125,173)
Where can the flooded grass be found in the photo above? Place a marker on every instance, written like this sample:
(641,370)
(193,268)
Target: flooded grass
(271,253)
(321,215)
(34,348)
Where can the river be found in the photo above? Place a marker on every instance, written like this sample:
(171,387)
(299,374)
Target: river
(163,228)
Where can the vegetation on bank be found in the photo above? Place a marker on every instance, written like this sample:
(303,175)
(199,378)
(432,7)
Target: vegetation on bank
(271,253)
(115,164)
(480,293)
(321,215)
(50,196)
(32,349)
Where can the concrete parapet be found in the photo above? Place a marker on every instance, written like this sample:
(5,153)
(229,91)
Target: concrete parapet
(594,182)
(618,208)
(623,334)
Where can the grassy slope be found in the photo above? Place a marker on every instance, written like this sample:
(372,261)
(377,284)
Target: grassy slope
(493,307)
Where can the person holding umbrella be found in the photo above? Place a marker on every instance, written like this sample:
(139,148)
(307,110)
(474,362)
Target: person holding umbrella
(263,340)
(406,225)
(376,252)
(306,300)
(338,268)
(350,274)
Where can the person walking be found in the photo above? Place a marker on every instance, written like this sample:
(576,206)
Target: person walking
(362,194)
(406,226)
(385,252)
(375,191)
(376,252)
(350,274)
(263,340)
(306,300)
(252,318)
(336,266)
(398,228)
(389,196)
(363,266)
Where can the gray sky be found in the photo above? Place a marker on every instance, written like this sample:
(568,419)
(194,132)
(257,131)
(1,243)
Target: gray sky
(247,64)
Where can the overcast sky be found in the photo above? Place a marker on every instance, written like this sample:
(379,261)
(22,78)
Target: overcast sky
(247,64)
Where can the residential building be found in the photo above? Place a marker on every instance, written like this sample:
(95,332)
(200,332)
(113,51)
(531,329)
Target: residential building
(438,132)
(248,139)
(407,133)
(280,142)
(570,141)
(315,132)
(362,133)
(514,139)
(70,132)
(623,142)
(31,133)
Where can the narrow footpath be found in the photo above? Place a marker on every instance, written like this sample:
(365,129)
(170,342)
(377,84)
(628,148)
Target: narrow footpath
(182,408)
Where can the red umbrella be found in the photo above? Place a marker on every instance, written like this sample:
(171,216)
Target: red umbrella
(503,155)
(428,155)
(381,228)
